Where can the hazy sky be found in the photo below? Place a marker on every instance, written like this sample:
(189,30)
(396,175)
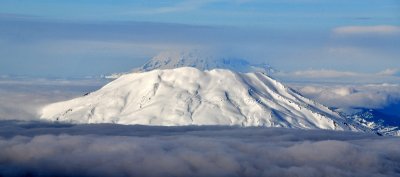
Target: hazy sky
(87,37)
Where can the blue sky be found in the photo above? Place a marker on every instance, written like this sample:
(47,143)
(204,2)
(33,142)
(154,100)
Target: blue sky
(260,13)
(79,38)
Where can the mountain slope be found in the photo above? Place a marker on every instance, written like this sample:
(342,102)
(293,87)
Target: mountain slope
(375,120)
(188,96)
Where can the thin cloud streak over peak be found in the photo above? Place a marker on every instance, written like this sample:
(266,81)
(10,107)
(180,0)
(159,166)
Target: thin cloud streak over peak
(378,29)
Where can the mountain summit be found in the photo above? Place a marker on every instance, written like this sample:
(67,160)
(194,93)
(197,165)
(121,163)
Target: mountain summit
(199,60)
(189,96)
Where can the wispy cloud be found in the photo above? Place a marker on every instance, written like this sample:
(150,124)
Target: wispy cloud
(324,73)
(390,72)
(379,30)
(328,75)
(178,7)
(184,6)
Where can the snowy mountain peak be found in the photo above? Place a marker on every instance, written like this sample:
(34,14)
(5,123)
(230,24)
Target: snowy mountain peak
(189,96)
(201,61)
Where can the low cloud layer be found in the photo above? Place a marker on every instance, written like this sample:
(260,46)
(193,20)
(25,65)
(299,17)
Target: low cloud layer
(45,149)
(22,99)
(374,96)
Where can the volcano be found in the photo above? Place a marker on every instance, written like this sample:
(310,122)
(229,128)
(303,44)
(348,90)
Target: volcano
(189,96)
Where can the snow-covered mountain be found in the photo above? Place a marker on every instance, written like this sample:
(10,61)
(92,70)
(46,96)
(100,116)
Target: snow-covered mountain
(375,120)
(199,60)
(189,96)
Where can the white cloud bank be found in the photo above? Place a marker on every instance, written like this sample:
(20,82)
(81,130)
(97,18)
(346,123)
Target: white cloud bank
(372,96)
(117,150)
(379,29)
(22,99)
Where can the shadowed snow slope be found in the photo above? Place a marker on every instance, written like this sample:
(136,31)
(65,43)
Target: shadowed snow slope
(188,96)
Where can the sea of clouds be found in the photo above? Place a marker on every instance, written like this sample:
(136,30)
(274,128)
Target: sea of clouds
(48,149)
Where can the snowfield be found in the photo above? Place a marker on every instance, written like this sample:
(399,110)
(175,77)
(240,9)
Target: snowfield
(189,96)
